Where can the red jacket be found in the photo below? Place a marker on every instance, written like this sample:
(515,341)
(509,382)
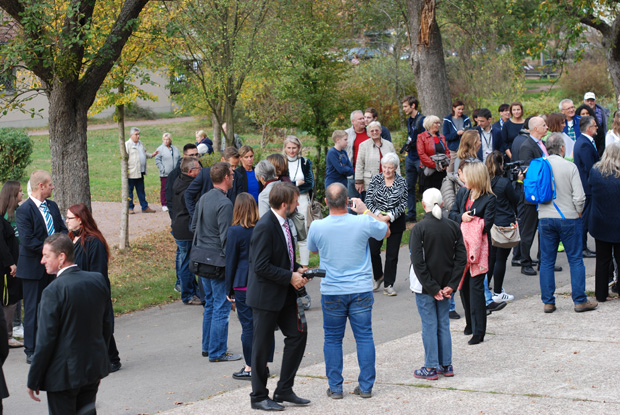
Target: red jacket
(426,148)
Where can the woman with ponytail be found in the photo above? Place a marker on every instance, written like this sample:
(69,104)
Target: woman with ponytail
(438,258)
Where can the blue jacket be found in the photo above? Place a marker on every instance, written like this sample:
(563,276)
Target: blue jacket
(604,223)
(497,144)
(338,167)
(576,119)
(415,126)
(237,257)
(449,131)
(585,155)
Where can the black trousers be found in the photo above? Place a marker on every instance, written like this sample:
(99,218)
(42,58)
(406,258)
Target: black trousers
(391,258)
(585,215)
(74,401)
(474,304)
(605,253)
(528,225)
(32,298)
(497,271)
(262,343)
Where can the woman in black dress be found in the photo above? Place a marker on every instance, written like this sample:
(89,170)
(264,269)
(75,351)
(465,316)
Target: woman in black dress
(91,254)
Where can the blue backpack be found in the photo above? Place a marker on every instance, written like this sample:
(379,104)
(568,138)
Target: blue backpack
(539,186)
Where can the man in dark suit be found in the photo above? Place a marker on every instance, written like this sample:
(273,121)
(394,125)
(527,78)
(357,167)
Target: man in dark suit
(273,282)
(490,136)
(585,155)
(75,325)
(531,148)
(36,218)
(203,183)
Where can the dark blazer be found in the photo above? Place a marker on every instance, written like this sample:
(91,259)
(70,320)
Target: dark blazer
(242,179)
(269,278)
(202,184)
(497,142)
(32,234)
(604,222)
(529,151)
(515,148)
(585,155)
(92,257)
(237,257)
(73,333)
(484,208)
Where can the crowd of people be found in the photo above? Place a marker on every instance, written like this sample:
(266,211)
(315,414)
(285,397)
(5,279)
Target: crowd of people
(246,231)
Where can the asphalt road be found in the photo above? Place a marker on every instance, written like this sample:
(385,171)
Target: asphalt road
(160,348)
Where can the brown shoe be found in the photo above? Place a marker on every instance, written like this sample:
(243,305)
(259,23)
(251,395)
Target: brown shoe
(148,210)
(587,306)
(194,301)
(549,308)
(131,212)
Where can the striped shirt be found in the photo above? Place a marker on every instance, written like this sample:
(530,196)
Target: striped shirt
(381,198)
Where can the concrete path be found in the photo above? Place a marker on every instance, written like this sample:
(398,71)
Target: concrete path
(529,359)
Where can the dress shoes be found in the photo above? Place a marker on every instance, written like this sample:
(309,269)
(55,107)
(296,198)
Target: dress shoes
(115,367)
(588,254)
(519,262)
(267,405)
(475,339)
(493,306)
(528,270)
(242,374)
(290,398)
(467,331)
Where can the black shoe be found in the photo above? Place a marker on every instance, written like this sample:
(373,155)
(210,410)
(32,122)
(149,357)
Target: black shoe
(588,254)
(205,354)
(29,358)
(242,375)
(475,339)
(227,357)
(454,315)
(516,262)
(115,367)
(290,398)
(467,331)
(528,270)
(267,405)
(488,313)
(493,306)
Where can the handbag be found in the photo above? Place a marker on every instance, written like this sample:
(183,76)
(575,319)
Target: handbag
(315,210)
(505,236)
(300,225)
(205,262)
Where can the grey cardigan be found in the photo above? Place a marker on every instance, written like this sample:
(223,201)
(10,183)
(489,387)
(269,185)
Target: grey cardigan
(570,196)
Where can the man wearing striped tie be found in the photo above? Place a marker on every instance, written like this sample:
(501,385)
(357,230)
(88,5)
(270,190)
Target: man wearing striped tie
(37,218)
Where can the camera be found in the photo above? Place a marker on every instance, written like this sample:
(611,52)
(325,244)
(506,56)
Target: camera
(513,169)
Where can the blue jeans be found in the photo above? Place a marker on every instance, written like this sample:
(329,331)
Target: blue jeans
(186,278)
(569,231)
(358,308)
(435,330)
(452,303)
(244,313)
(411,168)
(215,318)
(138,184)
(488,297)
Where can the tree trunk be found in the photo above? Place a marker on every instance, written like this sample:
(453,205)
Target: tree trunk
(427,61)
(68,146)
(230,123)
(124,231)
(612,51)
(217,134)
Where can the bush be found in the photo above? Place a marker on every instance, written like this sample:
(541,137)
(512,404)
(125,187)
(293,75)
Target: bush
(134,111)
(15,152)
(587,75)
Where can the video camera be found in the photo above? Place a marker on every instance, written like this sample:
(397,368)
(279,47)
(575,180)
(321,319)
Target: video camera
(513,169)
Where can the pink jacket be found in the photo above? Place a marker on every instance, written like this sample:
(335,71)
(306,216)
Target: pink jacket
(477,245)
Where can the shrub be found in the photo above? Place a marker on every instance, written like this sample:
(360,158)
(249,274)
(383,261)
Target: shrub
(15,152)
(587,75)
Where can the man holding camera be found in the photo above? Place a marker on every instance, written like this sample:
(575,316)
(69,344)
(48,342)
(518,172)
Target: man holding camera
(346,291)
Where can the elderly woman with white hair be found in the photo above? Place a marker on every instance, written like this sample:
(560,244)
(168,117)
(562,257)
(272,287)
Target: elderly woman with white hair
(434,154)
(387,198)
(300,172)
(369,155)
(266,174)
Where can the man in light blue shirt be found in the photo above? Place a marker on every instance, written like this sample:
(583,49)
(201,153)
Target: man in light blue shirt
(347,287)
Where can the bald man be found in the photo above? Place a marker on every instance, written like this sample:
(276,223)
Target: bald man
(37,218)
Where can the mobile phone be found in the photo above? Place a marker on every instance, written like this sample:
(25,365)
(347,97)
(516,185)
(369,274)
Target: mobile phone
(472,212)
(351,204)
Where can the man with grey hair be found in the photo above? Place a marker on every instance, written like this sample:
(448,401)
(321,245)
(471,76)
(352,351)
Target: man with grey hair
(585,155)
(347,287)
(357,135)
(136,169)
(266,174)
(560,221)
(571,128)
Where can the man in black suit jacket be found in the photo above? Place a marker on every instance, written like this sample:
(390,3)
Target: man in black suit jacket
(36,218)
(75,325)
(531,148)
(273,282)
(585,155)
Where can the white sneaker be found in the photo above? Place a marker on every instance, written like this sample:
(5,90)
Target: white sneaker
(377,284)
(389,290)
(498,298)
(164,208)
(18,332)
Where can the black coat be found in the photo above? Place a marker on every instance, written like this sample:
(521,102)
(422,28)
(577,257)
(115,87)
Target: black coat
(9,255)
(32,234)
(202,183)
(269,279)
(181,218)
(74,329)
(243,181)
(507,200)
(92,257)
(484,208)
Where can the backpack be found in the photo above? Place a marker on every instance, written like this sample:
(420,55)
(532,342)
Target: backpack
(539,185)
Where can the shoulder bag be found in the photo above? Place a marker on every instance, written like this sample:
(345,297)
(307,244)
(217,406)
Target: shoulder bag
(505,236)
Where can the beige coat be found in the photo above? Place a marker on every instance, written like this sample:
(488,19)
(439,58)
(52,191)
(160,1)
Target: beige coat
(133,163)
(369,160)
